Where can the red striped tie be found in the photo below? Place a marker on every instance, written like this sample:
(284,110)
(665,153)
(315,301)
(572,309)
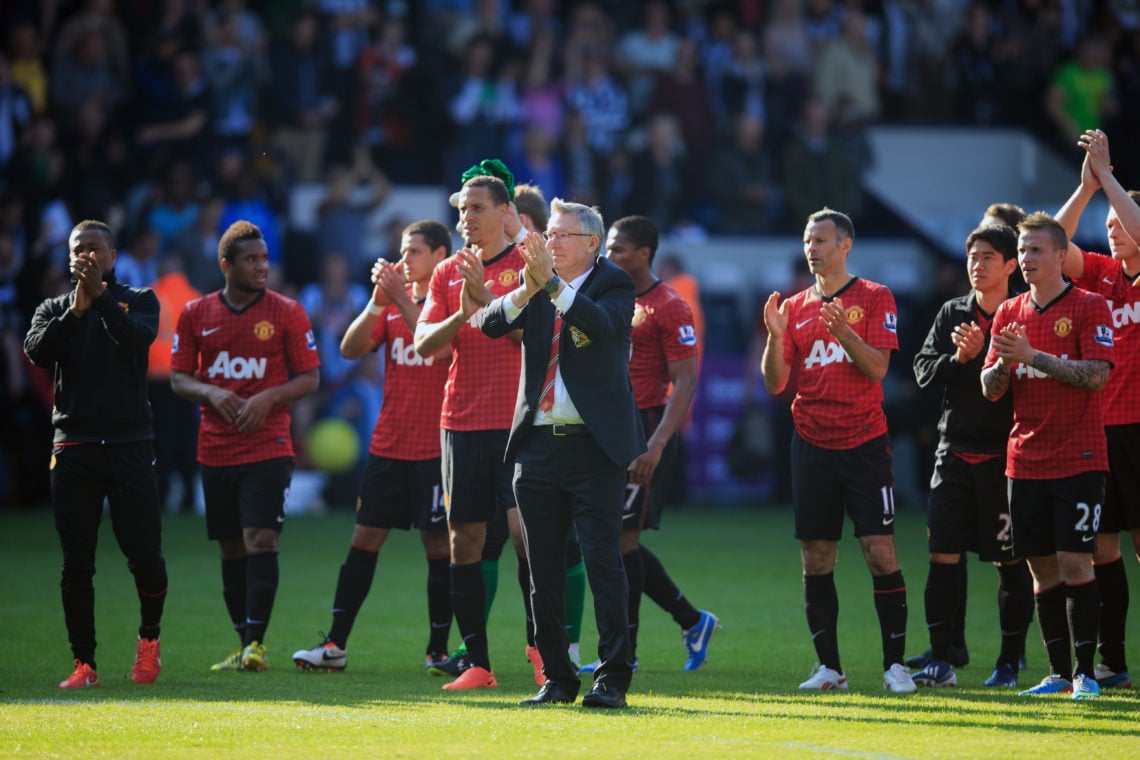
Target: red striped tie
(546,398)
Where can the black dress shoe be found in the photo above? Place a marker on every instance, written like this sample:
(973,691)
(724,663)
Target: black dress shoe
(603,695)
(551,694)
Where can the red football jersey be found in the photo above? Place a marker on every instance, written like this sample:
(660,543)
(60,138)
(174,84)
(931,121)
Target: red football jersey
(662,332)
(1058,429)
(483,379)
(245,352)
(408,425)
(836,405)
(1105,275)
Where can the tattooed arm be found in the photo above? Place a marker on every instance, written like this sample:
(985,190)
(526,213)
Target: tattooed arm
(995,380)
(1083,373)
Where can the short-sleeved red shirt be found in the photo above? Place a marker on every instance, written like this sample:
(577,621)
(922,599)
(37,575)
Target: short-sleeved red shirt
(1105,275)
(1058,429)
(836,405)
(245,352)
(483,379)
(663,332)
(408,425)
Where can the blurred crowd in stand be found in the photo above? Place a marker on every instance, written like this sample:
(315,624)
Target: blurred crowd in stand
(172,118)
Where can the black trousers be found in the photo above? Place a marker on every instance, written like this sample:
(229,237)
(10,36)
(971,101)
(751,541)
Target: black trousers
(82,476)
(565,482)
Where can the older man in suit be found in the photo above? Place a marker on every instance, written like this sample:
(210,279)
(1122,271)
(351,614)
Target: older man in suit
(575,430)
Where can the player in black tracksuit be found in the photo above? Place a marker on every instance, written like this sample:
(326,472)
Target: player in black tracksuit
(95,340)
(967,508)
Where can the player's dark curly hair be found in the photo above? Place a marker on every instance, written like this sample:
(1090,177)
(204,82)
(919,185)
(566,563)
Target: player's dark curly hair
(434,233)
(639,230)
(236,234)
(95,224)
(1000,236)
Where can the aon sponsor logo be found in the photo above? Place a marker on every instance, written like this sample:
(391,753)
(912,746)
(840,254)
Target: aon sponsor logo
(1127,314)
(1024,371)
(237,368)
(405,355)
(823,354)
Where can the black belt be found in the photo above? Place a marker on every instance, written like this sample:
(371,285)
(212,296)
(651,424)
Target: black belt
(560,429)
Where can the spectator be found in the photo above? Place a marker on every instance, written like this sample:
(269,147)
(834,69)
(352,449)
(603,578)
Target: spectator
(234,74)
(660,185)
(27,60)
(82,68)
(178,126)
(174,210)
(482,104)
(600,100)
(383,120)
(16,113)
(246,197)
(975,68)
(816,168)
(302,98)
(140,263)
(539,162)
(581,160)
(847,72)
(351,195)
(197,246)
(1081,94)
(743,182)
(683,94)
(647,52)
(332,304)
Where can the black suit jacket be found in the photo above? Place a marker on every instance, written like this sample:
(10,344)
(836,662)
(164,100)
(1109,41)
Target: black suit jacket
(593,357)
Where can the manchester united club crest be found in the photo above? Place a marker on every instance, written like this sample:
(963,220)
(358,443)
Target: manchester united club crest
(639,314)
(854,314)
(579,338)
(508,278)
(263,330)
(1062,327)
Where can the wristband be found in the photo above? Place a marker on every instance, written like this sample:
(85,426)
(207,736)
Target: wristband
(375,310)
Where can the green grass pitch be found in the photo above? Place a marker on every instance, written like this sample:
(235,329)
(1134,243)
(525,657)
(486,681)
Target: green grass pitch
(741,564)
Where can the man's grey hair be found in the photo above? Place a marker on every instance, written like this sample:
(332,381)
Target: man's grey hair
(589,217)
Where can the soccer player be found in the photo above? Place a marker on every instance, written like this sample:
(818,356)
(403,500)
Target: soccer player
(478,405)
(665,351)
(841,333)
(967,509)
(1052,349)
(245,354)
(400,485)
(1114,277)
(95,340)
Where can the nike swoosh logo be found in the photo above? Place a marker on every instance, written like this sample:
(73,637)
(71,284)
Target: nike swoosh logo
(210,332)
(325,656)
(888,522)
(1107,281)
(1086,539)
(437,518)
(393,316)
(801,324)
(455,282)
(280,519)
(898,635)
(817,634)
(1007,547)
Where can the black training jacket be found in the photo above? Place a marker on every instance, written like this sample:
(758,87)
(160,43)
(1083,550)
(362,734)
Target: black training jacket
(970,423)
(98,363)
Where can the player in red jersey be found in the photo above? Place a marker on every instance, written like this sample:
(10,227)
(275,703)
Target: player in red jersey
(665,350)
(841,333)
(1115,278)
(400,486)
(246,354)
(478,405)
(1052,349)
